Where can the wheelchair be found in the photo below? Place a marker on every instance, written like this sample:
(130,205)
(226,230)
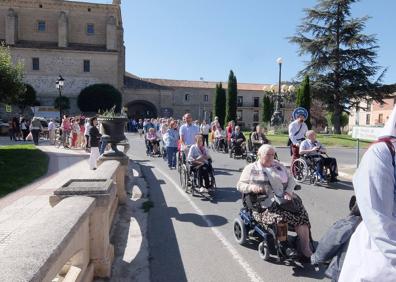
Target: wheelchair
(251,153)
(274,241)
(190,182)
(237,150)
(150,149)
(221,145)
(304,168)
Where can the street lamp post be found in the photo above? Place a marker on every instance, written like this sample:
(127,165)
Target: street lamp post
(59,85)
(277,118)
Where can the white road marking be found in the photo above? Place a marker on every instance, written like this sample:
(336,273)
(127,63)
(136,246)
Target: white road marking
(242,262)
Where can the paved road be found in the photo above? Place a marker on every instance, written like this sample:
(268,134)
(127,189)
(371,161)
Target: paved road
(191,238)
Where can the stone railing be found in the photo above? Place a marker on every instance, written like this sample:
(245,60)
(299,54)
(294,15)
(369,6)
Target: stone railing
(71,240)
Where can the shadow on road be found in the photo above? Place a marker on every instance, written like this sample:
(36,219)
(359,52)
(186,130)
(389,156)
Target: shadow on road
(197,219)
(163,242)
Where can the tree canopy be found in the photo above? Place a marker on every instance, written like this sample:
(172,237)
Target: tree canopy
(99,97)
(27,98)
(231,103)
(11,77)
(304,99)
(219,103)
(342,64)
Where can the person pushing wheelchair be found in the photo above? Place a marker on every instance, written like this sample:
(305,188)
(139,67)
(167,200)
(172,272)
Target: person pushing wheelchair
(313,148)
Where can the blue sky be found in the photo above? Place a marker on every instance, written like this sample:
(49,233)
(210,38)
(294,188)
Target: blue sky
(189,39)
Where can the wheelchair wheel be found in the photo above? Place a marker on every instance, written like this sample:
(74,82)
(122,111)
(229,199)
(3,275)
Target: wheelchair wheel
(264,251)
(240,232)
(193,187)
(183,177)
(299,170)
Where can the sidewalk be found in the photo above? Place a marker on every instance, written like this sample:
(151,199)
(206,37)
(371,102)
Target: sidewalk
(18,208)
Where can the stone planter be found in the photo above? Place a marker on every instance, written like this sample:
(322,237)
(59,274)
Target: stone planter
(113,128)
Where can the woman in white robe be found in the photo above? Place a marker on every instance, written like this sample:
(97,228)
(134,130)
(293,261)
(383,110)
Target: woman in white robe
(371,254)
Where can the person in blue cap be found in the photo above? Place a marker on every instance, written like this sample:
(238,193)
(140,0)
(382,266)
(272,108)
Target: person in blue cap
(297,130)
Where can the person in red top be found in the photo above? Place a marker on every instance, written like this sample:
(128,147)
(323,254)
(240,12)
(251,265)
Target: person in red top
(230,129)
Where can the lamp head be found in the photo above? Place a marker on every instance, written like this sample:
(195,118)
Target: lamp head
(279,61)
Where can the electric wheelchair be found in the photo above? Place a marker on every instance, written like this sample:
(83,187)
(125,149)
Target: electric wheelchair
(305,168)
(150,148)
(251,152)
(237,150)
(189,178)
(273,240)
(220,145)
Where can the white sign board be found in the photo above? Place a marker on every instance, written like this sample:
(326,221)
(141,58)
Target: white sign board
(46,112)
(366,132)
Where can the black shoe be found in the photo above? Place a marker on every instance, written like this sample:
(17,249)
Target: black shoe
(291,253)
(304,259)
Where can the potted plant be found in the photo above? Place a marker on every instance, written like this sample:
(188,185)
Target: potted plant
(113,125)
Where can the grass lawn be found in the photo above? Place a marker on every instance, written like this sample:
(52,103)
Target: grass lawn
(328,140)
(19,166)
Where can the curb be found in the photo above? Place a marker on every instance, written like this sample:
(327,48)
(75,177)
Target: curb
(130,231)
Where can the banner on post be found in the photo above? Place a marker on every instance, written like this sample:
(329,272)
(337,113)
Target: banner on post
(366,132)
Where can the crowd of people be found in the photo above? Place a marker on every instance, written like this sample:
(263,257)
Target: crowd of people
(370,239)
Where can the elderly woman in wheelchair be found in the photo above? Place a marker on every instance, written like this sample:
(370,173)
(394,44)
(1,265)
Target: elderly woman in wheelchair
(270,206)
(312,152)
(200,163)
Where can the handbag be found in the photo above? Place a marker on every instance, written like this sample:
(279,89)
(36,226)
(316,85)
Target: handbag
(289,205)
(29,137)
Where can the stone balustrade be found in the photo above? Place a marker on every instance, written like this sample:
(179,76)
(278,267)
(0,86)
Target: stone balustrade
(71,240)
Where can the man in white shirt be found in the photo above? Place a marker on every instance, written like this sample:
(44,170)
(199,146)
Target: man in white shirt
(297,130)
(204,129)
(313,148)
(51,131)
(187,133)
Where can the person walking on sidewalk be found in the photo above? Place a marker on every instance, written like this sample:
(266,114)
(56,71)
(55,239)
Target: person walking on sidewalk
(35,129)
(297,130)
(94,137)
(51,131)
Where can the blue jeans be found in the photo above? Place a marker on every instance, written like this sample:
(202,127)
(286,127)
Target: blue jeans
(102,146)
(171,153)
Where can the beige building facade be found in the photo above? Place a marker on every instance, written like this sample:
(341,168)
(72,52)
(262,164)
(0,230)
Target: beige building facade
(373,113)
(83,42)
(149,97)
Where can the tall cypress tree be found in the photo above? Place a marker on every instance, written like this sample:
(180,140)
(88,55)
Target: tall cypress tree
(266,109)
(231,103)
(304,98)
(342,64)
(219,103)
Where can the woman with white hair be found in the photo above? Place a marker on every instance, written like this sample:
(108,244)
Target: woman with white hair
(270,177)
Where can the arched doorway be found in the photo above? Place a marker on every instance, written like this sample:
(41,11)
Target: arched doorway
(141,109)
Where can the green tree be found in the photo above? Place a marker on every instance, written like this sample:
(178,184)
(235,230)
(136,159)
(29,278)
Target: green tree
(28,98)
(99,97)
(342,64)
(304,98)
(231,103)
(219,103)
(11,77)
(330,119)
(62,101)
(267,111)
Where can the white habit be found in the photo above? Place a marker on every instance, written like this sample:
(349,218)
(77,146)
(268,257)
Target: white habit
(371,254)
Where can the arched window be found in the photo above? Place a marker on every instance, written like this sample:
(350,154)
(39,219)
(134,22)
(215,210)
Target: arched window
(186,97)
